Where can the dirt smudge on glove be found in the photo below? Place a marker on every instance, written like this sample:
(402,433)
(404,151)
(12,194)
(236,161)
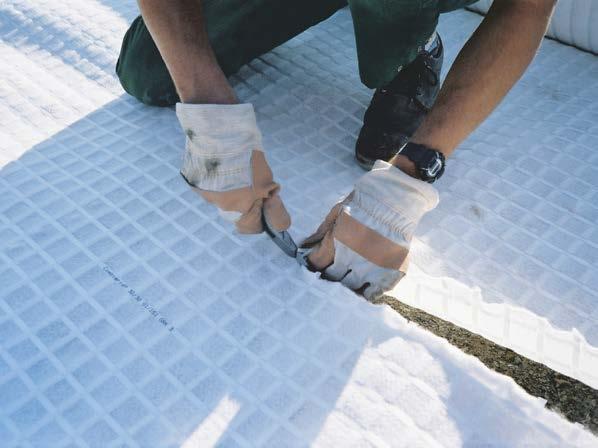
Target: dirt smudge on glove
(211,165)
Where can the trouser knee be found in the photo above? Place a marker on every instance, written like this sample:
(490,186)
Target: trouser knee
(239,31)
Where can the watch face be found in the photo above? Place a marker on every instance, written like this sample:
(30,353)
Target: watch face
(434,168)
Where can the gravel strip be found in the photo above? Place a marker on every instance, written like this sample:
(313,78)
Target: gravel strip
(573,399)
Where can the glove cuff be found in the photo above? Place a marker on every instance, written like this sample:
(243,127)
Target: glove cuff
(219,143)
(389,197)
(215,121)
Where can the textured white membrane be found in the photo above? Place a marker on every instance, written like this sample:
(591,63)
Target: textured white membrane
(575,22)
(130,315)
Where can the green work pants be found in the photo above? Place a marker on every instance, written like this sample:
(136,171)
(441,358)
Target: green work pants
(388,34)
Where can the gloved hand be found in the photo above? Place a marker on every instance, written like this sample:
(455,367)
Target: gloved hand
(225,164)
(364,241)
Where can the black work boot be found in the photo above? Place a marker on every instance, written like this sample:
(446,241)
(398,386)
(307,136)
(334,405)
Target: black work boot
(397,109)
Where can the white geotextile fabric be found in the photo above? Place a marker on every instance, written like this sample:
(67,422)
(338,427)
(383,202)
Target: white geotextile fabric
(575,22)
(511,252)
(130,315)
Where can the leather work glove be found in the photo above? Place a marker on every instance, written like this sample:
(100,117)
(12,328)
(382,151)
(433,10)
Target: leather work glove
(225,164)
(364,241)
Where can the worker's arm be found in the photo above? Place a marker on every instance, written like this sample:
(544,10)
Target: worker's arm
(364,242)
(490,63)
(178,29)
(224,160)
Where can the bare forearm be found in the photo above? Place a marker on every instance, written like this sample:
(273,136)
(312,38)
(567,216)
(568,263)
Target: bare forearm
(179,31)
(487,67)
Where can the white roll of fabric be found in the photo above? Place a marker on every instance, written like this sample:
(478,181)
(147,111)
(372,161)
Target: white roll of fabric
(575,22)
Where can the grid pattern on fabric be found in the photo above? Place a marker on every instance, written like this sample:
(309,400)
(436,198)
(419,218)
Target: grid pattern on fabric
(130,315)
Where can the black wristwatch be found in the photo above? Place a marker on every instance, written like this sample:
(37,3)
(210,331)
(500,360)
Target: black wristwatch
(428,162)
